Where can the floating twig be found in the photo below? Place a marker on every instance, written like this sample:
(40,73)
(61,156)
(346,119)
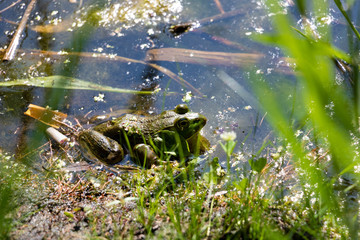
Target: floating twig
(232,44)
(219,6)
(202,57)
(10,6)
(14,44)
(221,16)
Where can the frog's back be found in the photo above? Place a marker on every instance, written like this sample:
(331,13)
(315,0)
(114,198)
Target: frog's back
(146,125)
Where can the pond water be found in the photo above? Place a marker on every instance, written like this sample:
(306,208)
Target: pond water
(218,84)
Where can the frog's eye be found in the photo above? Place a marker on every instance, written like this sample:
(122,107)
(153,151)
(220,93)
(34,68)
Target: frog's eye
(181,109)
(182,123)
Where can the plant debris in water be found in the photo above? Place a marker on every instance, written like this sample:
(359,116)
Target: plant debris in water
(128,14)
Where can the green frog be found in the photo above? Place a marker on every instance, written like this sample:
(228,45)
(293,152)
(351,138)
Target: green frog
(173,134)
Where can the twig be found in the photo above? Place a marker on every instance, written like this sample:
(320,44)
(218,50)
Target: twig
(14,44)
(202,57)
(232,44)
(219,6)
(11,5)
(222,16)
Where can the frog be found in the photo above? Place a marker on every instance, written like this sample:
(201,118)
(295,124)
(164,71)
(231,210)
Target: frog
(172,134)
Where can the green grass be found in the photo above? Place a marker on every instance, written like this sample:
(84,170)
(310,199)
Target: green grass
(177,203)
(330,112)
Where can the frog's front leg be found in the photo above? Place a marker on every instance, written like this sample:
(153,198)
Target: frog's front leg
(95,146)
(144,155)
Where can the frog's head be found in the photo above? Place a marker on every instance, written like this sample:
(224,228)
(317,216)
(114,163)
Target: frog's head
(187,124)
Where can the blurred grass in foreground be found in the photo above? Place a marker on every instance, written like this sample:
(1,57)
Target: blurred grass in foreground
(331,109)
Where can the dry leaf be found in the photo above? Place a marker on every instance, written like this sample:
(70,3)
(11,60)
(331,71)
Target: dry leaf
(46,115)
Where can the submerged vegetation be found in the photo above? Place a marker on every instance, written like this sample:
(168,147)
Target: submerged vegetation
(304,185)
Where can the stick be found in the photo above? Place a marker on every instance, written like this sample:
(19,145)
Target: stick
(10,6)
(221,16)
(202,57)
(14,44)
(219,6)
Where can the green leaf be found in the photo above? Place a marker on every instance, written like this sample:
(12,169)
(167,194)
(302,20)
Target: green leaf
(64,82)
(228,147)
(257,164)
(342,10)
(241,185)
(69,215)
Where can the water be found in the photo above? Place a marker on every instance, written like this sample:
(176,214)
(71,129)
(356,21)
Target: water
(224,90)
